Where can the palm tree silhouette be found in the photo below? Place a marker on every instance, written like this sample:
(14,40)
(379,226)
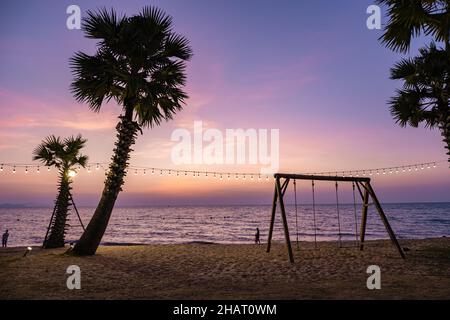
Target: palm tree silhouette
(426,78)
(139,63)
(424,96)
(65,156)
(412,18)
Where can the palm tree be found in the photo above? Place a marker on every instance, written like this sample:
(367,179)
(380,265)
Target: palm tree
(426,79)
(139,63)
(412,18)
(424,96)
(65,156)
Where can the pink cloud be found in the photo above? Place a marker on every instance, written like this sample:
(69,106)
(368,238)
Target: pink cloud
(22,111)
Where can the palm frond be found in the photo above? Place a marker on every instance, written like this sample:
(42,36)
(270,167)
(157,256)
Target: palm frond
(140,63)
(411,18)
(54,151)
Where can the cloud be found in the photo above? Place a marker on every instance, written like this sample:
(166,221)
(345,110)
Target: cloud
(22,111)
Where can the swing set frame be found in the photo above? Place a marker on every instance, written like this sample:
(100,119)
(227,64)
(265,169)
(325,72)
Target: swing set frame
(365,190)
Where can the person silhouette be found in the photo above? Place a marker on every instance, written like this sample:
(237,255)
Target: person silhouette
(5,239)
(257,241)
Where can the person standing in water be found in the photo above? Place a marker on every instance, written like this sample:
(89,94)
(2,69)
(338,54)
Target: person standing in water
(5,239)
(257,241)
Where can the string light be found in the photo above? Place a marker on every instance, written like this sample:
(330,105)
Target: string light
(237,175)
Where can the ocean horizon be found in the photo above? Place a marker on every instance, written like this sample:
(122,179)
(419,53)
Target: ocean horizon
(232,224)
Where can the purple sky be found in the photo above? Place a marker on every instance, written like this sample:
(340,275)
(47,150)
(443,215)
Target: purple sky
(309,68)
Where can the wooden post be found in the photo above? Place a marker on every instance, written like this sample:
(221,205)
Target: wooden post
(385,220)
(272,218)
(365,206)
(76,210)
(283,216)
(50,224)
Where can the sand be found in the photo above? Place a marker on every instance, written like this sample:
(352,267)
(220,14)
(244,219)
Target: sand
(214,271)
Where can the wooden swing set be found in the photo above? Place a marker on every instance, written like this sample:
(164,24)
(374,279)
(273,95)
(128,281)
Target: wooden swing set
(365,190)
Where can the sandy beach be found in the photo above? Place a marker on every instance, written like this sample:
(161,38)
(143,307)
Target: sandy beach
(214,271)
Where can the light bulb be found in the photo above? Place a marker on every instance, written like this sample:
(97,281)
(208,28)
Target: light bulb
(71,173)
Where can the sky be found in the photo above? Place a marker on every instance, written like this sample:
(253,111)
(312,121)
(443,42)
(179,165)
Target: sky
(311,69)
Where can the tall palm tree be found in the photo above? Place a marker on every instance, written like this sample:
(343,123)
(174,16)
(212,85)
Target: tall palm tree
(424,96)
(139,63)
(64,154)
(425,93)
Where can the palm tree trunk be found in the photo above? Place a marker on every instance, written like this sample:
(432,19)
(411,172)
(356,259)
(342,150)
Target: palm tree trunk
(59,224)
(444,126)
(126,137)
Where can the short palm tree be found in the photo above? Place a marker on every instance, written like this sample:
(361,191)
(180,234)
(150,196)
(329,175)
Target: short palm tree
(139,63)
(64,154)
(426,79)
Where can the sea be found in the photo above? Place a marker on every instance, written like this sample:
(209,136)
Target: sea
(233,224)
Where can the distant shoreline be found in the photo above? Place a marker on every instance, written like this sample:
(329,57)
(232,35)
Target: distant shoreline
(25,206)
(345,243)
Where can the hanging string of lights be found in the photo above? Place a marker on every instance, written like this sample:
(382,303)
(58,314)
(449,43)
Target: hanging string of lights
(137,170)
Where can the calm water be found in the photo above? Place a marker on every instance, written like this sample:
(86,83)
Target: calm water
(231,224)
